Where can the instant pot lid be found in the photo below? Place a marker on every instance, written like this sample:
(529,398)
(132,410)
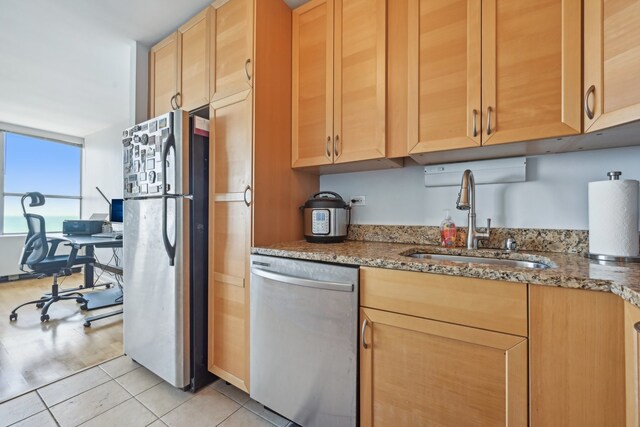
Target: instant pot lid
(327,200)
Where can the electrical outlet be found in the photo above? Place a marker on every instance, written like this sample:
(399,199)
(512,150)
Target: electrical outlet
(358,201)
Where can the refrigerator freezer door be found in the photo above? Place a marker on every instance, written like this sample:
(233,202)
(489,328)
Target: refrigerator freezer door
(156,294)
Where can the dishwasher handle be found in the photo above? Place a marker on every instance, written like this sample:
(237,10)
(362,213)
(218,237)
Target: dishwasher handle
(299,281)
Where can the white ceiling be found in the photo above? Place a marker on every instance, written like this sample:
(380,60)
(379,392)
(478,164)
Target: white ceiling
(65,65)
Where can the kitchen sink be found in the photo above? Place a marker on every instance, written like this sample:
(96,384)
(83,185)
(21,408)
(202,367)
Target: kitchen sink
(479,260)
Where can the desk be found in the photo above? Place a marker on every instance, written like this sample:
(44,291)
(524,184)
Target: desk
(108,297)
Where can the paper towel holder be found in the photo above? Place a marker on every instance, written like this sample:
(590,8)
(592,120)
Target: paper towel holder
(613,176)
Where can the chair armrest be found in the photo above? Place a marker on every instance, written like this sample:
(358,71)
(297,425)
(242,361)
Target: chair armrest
(54,245)
(72,256)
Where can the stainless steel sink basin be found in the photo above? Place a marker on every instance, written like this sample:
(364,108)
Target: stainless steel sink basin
(479,260)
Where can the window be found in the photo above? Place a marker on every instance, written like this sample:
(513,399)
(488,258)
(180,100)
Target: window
(35,164)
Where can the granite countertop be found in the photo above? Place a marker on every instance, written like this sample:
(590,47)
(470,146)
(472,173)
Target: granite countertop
(567,270)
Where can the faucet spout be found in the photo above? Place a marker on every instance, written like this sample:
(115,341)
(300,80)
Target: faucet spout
(467,201)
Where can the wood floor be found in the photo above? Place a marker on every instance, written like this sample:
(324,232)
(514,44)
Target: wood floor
(33,354)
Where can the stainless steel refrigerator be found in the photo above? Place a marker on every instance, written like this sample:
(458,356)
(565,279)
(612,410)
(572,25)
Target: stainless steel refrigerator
(165,247)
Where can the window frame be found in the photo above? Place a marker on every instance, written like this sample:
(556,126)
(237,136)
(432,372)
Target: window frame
(4,194)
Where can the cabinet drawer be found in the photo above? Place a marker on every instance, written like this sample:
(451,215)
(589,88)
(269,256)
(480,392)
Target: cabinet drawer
(486,304)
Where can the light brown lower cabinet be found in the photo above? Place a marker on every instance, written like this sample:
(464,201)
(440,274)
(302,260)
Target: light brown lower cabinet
(632,362)
(420,372)
(577,356)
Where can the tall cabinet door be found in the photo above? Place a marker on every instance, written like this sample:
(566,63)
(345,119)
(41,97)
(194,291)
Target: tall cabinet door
(359,113)
(418,372)
(444,76)
(232,51)
(611,63)
(194,62)
(312,87)
(230,238)
(163,75)
(531,60)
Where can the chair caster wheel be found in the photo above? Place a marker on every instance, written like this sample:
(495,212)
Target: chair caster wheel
(80,300)
(83,307)
(44,318)
(13,316)
(87,324)
(40,305)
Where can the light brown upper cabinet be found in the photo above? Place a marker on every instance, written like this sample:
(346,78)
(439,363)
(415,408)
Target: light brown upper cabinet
(523,85)
(339,88)
(163,75)
(194,62)
(179,68)
(611,63)
(232,47)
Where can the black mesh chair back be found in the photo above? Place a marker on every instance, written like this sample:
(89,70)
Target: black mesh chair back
(36,247)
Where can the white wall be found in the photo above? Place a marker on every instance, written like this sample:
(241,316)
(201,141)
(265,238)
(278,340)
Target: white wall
(554,196)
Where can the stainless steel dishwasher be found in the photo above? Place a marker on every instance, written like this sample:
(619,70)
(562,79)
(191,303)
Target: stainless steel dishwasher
(304,320)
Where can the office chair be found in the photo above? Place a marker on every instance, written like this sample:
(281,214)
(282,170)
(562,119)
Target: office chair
(39,256)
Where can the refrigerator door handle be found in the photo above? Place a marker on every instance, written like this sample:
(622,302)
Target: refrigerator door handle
(170,248)
(171,143)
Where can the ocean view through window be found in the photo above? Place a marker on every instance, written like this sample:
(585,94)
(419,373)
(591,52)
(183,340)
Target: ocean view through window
(49,167)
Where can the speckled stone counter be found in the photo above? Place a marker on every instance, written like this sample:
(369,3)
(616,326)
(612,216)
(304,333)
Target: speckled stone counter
(567,270)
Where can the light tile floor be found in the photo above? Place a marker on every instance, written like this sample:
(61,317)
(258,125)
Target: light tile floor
(122,393)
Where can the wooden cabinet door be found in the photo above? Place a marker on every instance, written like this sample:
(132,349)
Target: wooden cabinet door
(419,372)
(163,75)
(611,63)
(232,48)
(359,112)
(632,362)
(194,62)
(577,357)
(531,62)
(230,238)
(444,74)
(312,84)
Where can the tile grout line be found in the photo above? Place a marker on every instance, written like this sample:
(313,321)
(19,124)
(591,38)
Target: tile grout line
(46,409)
(75,395)
(241,407)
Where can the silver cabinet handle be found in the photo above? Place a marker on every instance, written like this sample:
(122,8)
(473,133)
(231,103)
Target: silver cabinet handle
(475,127)
(637,327)
(178,97)
(244,196)
(173,107)
(328,147)
(364,328)
(489,121)
(587,110)
(299,281)
(246,69)
(336,146)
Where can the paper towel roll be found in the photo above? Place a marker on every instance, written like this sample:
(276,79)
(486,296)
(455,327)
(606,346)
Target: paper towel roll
(613,218)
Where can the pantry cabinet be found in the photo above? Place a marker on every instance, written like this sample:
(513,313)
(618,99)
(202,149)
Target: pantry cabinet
(611,94)
(232,52)
(253,191)
(523,85)
(577,364)
(339,82)
(163,75)
(632,363)
(433,350)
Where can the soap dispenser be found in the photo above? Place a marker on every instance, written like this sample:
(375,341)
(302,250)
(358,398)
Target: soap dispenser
(447,231)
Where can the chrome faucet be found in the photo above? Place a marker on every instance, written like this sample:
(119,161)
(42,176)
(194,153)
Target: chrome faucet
(467,202)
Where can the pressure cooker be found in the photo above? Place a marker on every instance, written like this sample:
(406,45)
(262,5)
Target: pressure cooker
(326,218)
